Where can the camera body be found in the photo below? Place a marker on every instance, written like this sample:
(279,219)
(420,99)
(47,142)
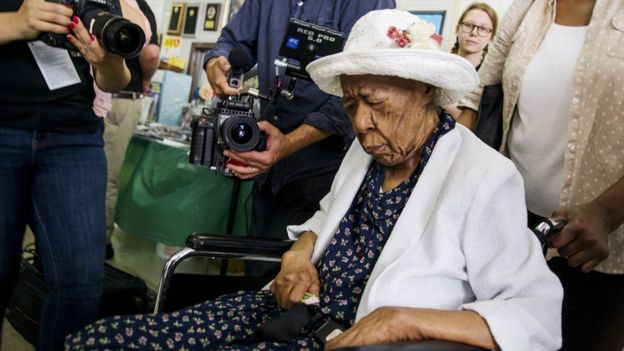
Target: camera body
(305,42)
(103,19)
(231,125)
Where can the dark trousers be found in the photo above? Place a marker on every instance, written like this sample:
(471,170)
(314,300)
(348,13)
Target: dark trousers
(295,203)
(593,306)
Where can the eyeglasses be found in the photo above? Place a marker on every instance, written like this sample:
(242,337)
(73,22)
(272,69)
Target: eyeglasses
(468,27)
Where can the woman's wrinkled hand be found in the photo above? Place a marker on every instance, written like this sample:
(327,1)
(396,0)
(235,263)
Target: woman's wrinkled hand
(296,277)
(384,325)
(39,16)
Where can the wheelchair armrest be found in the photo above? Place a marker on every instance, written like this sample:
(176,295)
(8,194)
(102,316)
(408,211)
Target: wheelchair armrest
(429,345)
(265,247)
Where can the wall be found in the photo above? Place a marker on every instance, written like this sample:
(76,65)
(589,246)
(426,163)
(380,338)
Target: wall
(500,6)
(453,8)
(162,11)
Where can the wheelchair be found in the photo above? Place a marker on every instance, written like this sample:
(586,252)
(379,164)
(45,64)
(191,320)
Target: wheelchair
(271,250)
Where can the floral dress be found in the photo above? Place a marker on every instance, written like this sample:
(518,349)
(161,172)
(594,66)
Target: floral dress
(223,323)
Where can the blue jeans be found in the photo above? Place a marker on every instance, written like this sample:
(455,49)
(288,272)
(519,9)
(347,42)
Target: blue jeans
(55,183)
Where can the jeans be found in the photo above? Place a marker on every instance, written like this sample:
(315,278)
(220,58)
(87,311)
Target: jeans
(54,183)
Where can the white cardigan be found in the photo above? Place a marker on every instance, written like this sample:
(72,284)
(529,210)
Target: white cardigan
(461,242)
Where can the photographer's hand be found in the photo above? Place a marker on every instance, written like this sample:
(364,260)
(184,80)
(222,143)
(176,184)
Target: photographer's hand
(217,70)
(259,161)
(33,18)
(109,70)
(279,146)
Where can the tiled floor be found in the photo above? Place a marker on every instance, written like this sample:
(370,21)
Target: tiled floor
(133,254)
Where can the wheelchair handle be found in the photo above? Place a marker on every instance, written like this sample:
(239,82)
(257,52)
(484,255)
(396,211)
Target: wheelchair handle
(547,228)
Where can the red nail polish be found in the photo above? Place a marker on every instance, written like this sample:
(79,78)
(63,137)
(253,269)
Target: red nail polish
(75,19)
(69,37)
(72,26)
(92,37)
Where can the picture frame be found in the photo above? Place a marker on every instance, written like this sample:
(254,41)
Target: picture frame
(441,13)
(191,19)
(434,17)
(176,21)
(212,16)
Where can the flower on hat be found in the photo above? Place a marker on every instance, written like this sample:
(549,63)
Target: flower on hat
(419,35)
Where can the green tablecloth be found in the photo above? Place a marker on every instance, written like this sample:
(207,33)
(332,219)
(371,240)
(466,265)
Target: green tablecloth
(165,198)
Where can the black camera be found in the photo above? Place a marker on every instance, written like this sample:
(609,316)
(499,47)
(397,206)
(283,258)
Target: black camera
(103,19)
(231,125)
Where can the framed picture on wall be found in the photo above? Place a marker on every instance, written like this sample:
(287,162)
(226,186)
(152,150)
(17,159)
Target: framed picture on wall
(176,21)
(191,16)
(434,17)
(442,13)
(211,17)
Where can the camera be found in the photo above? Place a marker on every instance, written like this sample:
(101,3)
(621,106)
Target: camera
(103,19)
(231,125)
(305,42)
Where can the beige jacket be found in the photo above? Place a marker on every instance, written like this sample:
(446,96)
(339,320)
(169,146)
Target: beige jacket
(594,157)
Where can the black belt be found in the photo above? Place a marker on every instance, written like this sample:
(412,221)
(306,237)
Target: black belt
(127,95)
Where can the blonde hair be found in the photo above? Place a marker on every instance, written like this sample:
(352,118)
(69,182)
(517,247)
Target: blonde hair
(477,6)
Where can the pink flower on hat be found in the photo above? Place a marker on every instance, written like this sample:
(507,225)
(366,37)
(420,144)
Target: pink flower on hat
(418,36)
(400,37)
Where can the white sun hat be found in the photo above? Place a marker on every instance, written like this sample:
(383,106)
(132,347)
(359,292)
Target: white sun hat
(400,44)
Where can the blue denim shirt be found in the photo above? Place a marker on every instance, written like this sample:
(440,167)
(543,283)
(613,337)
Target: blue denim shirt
(258,28)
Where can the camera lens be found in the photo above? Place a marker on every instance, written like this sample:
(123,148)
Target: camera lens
(241,133)
(118,35)
(128,39)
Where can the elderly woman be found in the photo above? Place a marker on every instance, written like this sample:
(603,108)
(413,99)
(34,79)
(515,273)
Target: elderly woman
(422,235)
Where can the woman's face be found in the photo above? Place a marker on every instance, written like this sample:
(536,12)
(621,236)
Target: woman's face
(388,115)
(474,42)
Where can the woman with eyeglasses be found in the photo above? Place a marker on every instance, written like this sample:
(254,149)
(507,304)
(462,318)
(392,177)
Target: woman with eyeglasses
(475,30)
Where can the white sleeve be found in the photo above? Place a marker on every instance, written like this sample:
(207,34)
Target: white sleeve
(314,224)
(521,303)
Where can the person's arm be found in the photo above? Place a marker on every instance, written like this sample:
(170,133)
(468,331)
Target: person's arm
(453,110)
(515,291)
(149,58)
(585,239)
(395,324)
(109,70)
(33,18)
(280,146)
(297,275)
(240,32)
